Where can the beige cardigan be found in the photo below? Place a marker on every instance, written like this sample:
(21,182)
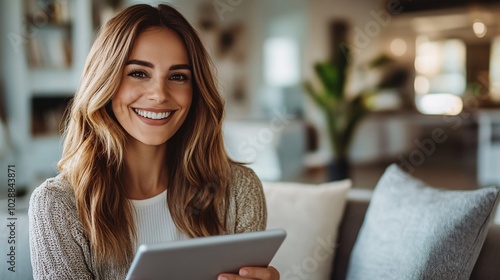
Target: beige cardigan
(60,248)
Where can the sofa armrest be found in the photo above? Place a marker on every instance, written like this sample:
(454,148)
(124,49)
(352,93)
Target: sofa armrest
(487,266)
(354,214)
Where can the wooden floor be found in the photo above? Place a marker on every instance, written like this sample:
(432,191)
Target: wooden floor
(449,175)
(448,169)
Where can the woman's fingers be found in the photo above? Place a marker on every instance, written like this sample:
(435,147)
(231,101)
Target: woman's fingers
(246,273)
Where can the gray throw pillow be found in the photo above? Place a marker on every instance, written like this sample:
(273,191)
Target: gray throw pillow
(414,231)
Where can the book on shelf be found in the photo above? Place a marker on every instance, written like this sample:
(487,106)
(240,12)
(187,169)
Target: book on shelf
(50,48)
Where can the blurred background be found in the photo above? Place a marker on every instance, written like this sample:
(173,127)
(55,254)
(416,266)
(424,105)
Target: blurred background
(428,73)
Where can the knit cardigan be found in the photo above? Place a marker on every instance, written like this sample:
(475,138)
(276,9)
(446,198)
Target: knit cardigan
(60,247)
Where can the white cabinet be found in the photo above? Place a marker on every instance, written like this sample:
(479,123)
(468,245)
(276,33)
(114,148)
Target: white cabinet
(273,147)
(488,167)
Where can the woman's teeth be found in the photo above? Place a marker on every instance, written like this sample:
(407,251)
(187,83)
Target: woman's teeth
(152,115)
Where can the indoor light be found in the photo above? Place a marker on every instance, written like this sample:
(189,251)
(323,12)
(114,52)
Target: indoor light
(421,85)
(495,70)
(479,28)
(440,79)
(439,104)
(398,47)
(428,59)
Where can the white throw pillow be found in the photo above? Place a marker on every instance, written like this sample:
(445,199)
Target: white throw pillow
(311,215)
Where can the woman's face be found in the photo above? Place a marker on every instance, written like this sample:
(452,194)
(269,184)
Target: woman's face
(156,88)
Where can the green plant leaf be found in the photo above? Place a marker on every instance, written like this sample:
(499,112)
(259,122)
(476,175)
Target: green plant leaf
(329,77)
(320,99)
(343,114)
(380,61)
(341,62)
(356,112)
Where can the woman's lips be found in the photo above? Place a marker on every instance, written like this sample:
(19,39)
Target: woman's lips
(154,116)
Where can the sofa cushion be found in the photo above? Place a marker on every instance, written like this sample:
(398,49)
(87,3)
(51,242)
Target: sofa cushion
(310,214)
(414,231)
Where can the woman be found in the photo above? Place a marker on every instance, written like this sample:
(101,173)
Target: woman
(143,158)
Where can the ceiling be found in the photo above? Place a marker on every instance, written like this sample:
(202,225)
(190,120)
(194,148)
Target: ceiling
(433,5)
(452,22)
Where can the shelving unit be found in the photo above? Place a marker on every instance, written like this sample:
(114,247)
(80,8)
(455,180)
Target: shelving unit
(43,58)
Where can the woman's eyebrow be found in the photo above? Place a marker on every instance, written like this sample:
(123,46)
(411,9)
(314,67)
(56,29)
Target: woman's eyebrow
(140,62)
(180,66)
(151,65)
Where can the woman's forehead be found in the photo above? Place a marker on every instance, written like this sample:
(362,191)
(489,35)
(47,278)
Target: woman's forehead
(159,44)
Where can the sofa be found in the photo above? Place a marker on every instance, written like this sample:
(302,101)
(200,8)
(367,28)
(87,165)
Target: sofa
(487,266)
(326,222)
(402,229)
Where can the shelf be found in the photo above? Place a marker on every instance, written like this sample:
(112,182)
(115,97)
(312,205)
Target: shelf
(49,139)
(52,82)
(50,26)
(50,48)
(48,12)
(47,115)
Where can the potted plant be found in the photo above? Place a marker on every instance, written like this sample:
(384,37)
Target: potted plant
(343,113)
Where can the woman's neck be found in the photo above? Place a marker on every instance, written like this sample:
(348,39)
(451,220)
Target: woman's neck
(145,169)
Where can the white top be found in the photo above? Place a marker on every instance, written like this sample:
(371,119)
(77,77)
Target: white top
(153,221)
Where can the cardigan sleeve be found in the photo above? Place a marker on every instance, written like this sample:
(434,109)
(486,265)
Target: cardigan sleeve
(250,205)
(58,243)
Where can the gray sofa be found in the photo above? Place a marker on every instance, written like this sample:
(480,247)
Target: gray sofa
(487,266)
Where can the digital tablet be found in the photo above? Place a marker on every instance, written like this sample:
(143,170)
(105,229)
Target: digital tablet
(206,257)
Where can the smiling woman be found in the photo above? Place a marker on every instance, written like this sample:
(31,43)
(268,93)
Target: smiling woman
(145,122)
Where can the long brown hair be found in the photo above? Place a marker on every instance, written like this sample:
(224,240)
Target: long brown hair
(198,166)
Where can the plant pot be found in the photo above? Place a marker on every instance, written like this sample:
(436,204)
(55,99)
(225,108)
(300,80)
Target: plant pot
(338,169)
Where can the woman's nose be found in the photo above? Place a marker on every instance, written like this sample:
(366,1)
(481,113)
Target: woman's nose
(158,91)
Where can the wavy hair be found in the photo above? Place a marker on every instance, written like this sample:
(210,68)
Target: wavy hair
(94,142)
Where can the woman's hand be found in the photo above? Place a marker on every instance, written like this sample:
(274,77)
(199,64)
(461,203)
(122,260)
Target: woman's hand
(246,273)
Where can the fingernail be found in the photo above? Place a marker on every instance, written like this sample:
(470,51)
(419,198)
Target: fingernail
(243,272)
(222,278)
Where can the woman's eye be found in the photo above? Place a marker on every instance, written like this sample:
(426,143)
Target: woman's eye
(179,77)
(137,74)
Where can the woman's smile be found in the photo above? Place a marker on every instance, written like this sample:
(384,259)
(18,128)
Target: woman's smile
(150,114)
(155,117)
